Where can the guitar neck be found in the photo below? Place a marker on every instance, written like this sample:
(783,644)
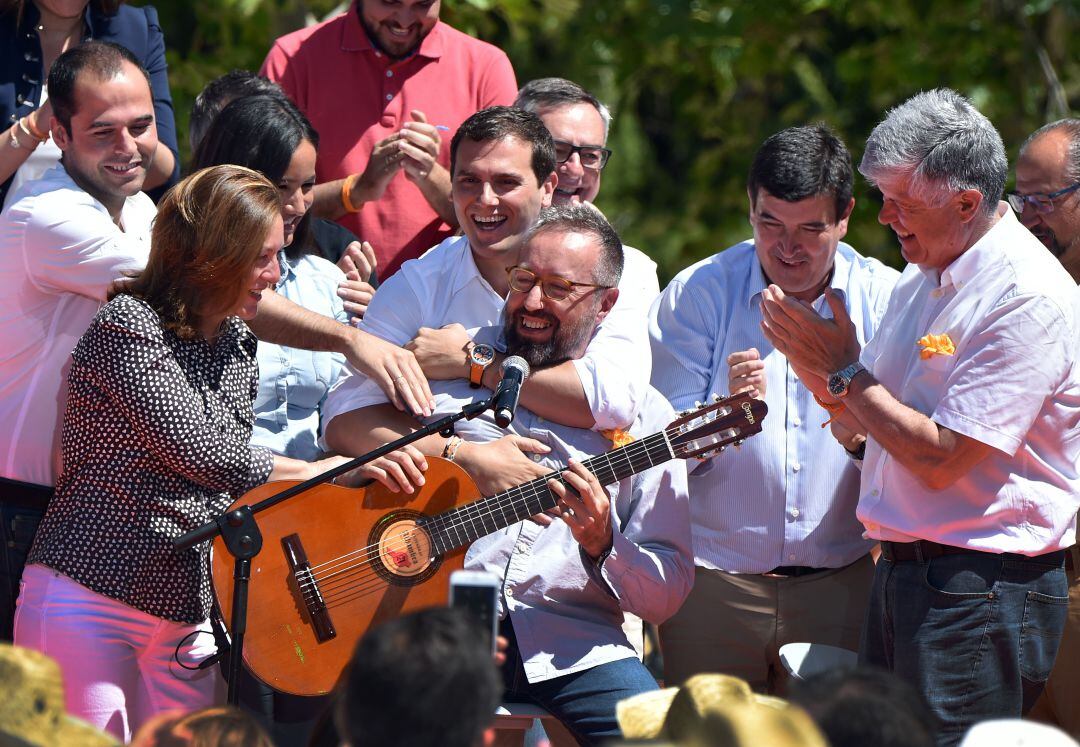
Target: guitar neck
(466,524)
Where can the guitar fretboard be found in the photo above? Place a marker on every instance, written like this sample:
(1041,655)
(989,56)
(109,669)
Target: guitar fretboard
(466,524)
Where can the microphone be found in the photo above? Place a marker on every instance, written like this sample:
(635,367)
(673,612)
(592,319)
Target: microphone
(514,372)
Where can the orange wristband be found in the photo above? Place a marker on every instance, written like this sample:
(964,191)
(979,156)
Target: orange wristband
(833,408)
(346,192)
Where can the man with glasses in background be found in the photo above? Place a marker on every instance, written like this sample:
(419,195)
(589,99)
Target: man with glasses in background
(1047,196)
(1047,199)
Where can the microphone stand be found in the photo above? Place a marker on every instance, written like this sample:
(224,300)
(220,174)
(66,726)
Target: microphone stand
(244,540)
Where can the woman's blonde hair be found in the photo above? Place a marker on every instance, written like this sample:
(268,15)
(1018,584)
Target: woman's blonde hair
(209,231)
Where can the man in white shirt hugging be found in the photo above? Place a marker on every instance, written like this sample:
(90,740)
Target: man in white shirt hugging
(503,172)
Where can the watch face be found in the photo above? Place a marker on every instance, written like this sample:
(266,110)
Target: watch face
(482,354)
(837,385)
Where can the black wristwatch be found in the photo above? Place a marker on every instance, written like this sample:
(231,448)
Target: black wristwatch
(858,453)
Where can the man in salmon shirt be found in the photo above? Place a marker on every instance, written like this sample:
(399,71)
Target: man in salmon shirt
(386,84)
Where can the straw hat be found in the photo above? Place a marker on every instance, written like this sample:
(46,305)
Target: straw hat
(32,704)
(716,709)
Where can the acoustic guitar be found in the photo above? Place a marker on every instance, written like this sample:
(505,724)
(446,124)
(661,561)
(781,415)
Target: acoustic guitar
(337,561)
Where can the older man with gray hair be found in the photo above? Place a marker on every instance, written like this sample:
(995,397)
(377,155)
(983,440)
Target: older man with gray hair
(964,395)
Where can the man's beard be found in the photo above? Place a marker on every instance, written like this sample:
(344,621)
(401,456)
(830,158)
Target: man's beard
(567,343)
(373,37)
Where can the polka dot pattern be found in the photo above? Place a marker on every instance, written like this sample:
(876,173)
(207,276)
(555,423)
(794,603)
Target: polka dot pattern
(156,441)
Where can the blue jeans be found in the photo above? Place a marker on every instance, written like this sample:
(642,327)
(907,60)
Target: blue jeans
(975,633)
(17,534)
(583,701)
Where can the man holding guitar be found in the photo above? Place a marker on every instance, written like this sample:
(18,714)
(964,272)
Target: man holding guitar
(578,580)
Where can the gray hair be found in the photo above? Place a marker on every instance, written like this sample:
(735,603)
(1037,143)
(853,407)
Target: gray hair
(546,93)
(943,143)
(585,219)
(1071,128)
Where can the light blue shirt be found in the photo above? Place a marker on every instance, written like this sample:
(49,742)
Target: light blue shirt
(568,615)
(788,496)
(292,382)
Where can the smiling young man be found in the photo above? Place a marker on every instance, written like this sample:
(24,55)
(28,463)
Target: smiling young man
(385,84)
(503,169)
(574,588)
(780,556)
(66,237)
(968,397)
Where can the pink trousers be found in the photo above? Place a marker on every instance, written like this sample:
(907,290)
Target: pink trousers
(117,662)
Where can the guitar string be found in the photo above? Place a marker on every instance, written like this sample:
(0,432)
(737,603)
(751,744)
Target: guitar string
(340,587)
(343,581)
(464,519)
(464,516)
(472,514)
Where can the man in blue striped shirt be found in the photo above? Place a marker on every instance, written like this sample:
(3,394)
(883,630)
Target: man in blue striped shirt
(779,554)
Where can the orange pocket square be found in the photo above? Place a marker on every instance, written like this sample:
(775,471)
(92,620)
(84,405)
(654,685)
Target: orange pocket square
(936,345)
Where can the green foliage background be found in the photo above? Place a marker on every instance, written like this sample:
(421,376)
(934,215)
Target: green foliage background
(695,85)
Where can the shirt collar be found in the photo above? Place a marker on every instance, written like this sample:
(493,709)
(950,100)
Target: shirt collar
(465,269)
(355,39)
(965,267)
(288,268)
(757,282)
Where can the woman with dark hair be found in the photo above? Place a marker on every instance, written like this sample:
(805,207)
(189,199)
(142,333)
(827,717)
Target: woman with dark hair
(33,33)
(156,441)
(269,134)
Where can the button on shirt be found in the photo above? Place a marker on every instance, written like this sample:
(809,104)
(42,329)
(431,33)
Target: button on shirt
(1013,315)
(445,286)
(61,252)
(567,614)
(292,382)
(788,496)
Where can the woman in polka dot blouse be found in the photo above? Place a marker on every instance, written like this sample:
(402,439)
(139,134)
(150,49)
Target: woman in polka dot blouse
(156,441)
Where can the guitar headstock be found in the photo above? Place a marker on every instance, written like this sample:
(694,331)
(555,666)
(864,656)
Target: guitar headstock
(706,430)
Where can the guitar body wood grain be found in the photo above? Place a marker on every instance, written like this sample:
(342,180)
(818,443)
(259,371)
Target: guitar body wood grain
(368,564)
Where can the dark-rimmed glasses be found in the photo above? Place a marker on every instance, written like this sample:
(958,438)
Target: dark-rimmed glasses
(1043,203)
(553,287)
(591,156)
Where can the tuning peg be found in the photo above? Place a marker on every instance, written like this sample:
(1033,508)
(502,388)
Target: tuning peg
(684,413)
(716,397)
(697,405)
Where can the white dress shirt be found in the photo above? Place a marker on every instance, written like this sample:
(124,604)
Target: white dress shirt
(444,287)
(1013,315)
(788,496)
(61,252)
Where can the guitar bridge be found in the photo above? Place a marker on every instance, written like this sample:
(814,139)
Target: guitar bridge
(308,586)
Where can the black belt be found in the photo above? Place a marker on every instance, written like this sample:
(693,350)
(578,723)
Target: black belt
(792,571)
(921,550)
(24,494)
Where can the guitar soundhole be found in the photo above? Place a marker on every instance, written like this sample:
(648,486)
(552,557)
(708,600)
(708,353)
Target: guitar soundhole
(405,555)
